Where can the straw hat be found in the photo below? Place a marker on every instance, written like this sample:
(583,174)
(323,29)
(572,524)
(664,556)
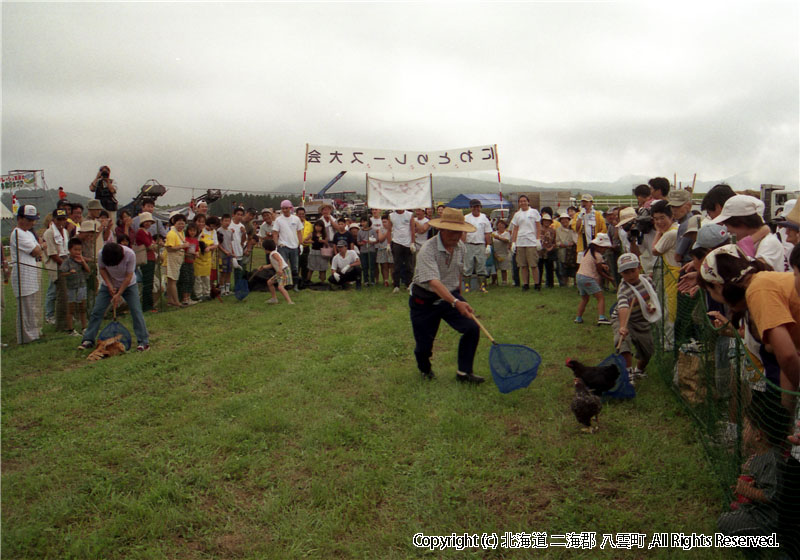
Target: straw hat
(452,220)
(626,215)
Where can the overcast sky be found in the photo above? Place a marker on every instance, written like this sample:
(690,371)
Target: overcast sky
(227,95)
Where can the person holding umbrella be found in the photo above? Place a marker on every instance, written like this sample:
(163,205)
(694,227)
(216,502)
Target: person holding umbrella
(436,295)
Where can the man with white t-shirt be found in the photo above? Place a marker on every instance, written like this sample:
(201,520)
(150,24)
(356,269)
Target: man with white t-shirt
(345,266)
(525,241)
(25,280)
(402,231)
(478,246)
(287,232)
(239,239)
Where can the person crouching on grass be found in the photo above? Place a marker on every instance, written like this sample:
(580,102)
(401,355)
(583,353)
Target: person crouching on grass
(637,307)
(283,274)
(345,267)
(436,295)
(117,265)
(591,269)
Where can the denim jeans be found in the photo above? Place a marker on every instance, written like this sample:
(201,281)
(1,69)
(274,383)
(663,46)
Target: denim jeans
(101,303)
(292,258)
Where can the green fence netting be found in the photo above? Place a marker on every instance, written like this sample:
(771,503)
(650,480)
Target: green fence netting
(731,391)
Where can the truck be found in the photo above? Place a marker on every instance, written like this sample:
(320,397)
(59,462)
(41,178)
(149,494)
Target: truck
(774,198)
(558,200)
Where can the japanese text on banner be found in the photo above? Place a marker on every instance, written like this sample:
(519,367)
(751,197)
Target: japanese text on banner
(333,158)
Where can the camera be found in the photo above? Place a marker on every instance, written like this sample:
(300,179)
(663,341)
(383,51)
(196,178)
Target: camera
(104,174)
(642,225)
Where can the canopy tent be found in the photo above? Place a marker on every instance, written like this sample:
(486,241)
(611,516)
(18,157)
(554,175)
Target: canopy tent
(5,213)
(487,201)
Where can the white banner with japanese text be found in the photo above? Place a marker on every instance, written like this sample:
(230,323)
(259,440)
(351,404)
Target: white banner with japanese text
(18,181)
(399,195)
(368,160)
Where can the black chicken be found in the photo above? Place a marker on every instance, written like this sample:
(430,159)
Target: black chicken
(597,379)
(586,406)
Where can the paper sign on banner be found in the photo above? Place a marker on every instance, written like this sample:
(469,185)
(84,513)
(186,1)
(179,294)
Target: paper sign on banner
(399,195)
(368,160)
(17,181)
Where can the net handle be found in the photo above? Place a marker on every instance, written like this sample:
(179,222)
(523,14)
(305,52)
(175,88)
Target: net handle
(474,318)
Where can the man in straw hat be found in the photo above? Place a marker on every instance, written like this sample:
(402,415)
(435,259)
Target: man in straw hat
(436,295)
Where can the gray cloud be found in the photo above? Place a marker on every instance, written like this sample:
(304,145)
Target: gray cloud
(228,94)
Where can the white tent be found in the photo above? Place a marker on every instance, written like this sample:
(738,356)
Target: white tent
(5,213)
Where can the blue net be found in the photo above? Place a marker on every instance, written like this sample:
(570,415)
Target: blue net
(513,366)
(623,388)
(242,289)
(113,329)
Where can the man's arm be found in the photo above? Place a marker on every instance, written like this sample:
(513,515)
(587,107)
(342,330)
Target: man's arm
(785,352)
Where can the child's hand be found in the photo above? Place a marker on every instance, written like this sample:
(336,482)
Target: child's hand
(623,332)
(744,485)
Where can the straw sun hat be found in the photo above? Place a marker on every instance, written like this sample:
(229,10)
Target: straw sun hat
(452,220)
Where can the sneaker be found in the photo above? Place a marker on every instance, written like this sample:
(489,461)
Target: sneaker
(396,290)
(578,320)
(50,320)
(273,300)
(603,320)
(428,376)
(483,289)
(86,345)
(143,348)
(466,288)
(73,332)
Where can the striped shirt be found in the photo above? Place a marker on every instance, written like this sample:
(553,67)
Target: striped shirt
(626,295)
(434,262)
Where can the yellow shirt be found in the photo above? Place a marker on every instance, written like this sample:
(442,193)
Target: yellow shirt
(174,238)
(308,229)
(202,262)
(772,301)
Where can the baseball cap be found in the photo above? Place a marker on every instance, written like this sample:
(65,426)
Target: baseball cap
(59,213)
(266,210)
(354,225)
(28,211)
(602,240)
(587,197)
(341,243)
(627,261)
(740,205)
(626,215)
(286,203)
(787,208)
(679,197)
(711,236)
(791,217)
(94,204)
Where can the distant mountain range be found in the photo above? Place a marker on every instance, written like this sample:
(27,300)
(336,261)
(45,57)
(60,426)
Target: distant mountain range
(446,187)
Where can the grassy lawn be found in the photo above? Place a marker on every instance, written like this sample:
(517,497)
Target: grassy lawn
(256,431)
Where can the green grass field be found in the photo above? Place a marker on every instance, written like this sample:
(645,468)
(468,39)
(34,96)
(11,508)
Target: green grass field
(256,431)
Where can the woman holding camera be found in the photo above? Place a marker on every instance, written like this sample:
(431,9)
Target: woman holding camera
(105,190)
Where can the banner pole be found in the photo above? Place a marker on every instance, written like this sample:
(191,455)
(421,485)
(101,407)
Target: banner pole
(366,187)
(499,183)
(430,179)
(305,172)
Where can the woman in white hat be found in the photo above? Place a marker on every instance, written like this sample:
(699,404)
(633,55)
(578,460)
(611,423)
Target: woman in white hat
(436,295)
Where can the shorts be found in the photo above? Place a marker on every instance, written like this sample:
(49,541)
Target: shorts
(284,280)
(225,263)
(587,286)
(76,295)
(528,256)
(640,336)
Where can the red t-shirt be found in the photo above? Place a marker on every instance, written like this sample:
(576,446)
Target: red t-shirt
(189,258)
(144,238)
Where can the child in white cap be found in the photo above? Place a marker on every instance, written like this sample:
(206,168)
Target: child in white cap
(590,271)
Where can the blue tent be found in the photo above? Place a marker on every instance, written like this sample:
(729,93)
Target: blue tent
(487,201)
